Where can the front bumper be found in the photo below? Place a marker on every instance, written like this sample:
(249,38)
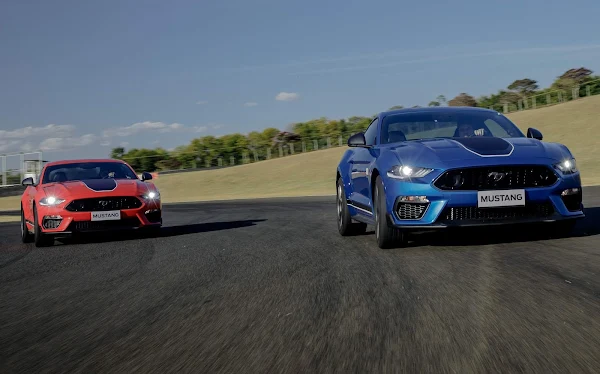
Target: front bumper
(59,221)
(444,209)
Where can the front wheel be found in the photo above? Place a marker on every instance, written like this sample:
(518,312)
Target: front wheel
(387,236)
(344,221)
(26,236)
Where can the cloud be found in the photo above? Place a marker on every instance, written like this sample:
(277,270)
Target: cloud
(201,102)
(30,131)
(249,104)
(28,147)
(142,127)
(287,96)
(199,128)
(57,143)
(9,145)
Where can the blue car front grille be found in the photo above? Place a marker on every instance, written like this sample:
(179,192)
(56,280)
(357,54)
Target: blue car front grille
(496,177)
(533,210)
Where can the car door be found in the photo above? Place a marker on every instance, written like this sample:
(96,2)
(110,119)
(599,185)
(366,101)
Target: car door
(361,163)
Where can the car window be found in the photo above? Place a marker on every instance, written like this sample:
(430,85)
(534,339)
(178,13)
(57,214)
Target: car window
(371,133)
(496,129)
(87,170)
(430,125)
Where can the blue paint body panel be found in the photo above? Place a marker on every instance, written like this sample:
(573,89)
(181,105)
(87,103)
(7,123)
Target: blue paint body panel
(359,166)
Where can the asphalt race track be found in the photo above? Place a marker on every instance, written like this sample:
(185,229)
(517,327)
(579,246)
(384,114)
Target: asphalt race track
(270,286)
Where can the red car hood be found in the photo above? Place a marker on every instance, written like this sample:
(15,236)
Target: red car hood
(98,187)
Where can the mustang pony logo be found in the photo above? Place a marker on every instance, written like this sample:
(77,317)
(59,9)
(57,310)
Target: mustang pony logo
(497,176)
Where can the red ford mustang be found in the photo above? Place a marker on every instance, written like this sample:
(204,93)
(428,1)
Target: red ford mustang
(87,195)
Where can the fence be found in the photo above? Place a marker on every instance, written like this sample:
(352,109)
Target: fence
(550,97)
(215,158)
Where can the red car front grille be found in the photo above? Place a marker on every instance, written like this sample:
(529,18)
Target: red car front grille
(104,203)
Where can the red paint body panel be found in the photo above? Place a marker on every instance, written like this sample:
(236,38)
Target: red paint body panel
(76,190)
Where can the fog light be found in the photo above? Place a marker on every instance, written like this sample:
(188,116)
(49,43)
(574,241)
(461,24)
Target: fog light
(414,199)
(570,191)
(52,222)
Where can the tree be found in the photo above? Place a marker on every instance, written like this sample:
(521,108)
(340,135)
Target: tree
(434,103)
(524,86)
(578,75)
(117,153)
(395,107)
(463,99)
(441,99)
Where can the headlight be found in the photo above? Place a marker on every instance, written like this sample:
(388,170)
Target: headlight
(152,195)
(407,172)
(567,166)
(51,201)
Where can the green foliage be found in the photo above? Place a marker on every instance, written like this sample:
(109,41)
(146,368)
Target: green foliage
(463,99)
(260,145)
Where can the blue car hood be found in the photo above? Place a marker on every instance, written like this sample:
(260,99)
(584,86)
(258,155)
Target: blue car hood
(452,152)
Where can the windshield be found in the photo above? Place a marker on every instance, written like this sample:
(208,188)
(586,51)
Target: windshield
(415,126)
(86,171)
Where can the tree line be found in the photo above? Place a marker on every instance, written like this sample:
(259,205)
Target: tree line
(210,151)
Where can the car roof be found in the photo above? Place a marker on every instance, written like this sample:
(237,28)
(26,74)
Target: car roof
(437,109)
(66,162)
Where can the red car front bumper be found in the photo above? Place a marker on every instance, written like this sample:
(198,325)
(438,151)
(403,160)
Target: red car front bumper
(58,220)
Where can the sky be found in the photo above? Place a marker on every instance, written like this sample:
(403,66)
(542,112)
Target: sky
(78,78)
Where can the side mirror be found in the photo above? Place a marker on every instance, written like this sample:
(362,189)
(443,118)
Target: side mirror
(357,140)
(533,133)
(146,176)
(27,182)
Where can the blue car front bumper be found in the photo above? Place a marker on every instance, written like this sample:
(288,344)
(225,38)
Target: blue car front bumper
(433,208)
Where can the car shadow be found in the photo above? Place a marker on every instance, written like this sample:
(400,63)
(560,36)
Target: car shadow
(587,226)
(164,232)
(472,236)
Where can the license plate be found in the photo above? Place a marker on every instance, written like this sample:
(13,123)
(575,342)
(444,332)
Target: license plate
(491,199)
(113,215)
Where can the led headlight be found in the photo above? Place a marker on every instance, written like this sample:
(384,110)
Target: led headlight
(407,172)
(51,201)
(152,195)
(567,166)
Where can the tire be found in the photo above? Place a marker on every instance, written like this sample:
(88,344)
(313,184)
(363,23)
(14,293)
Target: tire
(386,235)
(344,221)
(40,239)
(26,236)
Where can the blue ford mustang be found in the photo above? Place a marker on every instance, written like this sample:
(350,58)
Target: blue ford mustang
(414,169)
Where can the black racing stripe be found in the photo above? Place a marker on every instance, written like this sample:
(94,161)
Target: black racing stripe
(486,145)
(101,184)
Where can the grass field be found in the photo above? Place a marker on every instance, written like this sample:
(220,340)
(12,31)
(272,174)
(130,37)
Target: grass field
(573,123)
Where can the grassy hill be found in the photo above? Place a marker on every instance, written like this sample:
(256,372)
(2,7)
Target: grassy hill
(573,123)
